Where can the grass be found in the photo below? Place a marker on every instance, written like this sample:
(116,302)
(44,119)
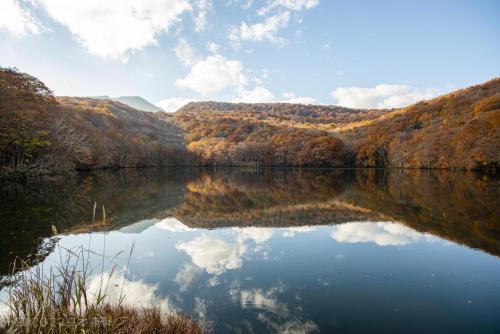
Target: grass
(62,301)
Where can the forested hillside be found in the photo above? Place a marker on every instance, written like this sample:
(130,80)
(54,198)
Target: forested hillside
(44,135)
(458,130)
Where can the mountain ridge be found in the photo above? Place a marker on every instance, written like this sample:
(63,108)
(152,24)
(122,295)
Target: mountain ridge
(459,130)
(133,101)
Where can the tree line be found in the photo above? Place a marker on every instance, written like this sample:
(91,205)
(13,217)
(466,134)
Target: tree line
(41,135)
(44,135)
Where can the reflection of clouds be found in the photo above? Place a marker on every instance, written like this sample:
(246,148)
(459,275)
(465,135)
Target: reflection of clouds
(290,326)
(173,225)
(267,300)
(257,234)
(216,255)
(200,308)
(186,276)
(264,299)
(212,254)
(135,293)
(381,233)
(4,308)
(290,231)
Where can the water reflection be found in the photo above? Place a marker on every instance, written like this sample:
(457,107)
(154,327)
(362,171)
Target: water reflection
(297,251)
(380,233)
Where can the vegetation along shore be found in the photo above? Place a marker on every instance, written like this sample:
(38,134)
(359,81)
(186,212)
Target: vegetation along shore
(44,135)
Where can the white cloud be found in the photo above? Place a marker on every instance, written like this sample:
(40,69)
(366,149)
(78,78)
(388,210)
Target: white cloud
(289,97)
(200,308)
(244,4)
(173,104)
(256,95)
(213,74)
(257,234)
(200,19)
(290,231)
(186,54)
(17,20)
(213,47)
(277,311)
(214,255)
(258,298)
(262,31)
(381,96)
(186,276)
(295,5)
(115,29)
(173,225)
(290,326)
(262,95)
(380,233)
(134,293)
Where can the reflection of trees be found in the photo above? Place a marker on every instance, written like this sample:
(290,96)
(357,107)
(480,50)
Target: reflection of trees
(28,212)
(268,198)
(461,207)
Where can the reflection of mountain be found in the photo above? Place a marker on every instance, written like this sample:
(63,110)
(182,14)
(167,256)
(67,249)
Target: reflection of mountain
(128,196)
(461,207)
(277,198)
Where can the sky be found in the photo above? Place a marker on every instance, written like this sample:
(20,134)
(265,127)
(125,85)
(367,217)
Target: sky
(362,54)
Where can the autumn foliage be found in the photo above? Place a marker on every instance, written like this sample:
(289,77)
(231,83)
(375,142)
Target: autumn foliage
(455,131)
(42,134)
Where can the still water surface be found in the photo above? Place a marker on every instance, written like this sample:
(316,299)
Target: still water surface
(297,251)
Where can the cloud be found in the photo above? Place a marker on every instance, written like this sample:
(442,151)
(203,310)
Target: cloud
(213,74)
(292,98)
(200,18)
(257,234)
(295,5)
(381,96)
(213,47)
(262,95)
(186,276)
(256,95)
(186,54)
(173,104)
(263,299)
(281,319)
(290,231)
(380,233)
(173,225)
(134,293)
(115,29)
(212,254)
(18,21)
(262,31)
(244,4)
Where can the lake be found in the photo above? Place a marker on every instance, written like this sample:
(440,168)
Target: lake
(272,250)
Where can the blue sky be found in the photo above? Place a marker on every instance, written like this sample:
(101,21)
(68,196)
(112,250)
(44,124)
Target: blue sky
(354,53)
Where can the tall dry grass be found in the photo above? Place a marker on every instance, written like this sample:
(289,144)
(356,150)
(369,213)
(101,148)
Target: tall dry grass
(61,301)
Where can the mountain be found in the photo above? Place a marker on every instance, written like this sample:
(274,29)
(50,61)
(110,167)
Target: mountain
(136,102)
(43,134)
(457,130)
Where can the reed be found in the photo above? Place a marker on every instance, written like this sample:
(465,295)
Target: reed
(60,301)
